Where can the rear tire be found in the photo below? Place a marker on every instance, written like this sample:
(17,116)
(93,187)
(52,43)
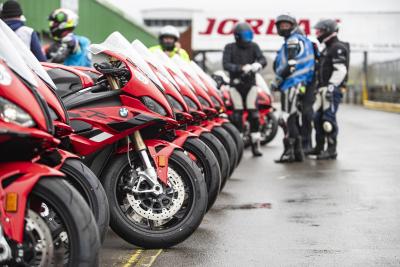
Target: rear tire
(75,216)
(209,164)
(235,134)
(229,145)
(90,188)
(168,235)
(220,153)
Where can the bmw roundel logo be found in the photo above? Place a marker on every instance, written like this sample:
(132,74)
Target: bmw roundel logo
(123,112)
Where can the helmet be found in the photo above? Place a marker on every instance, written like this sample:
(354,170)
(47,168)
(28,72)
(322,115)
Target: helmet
(243,33)
(61,22)
(286,18)
(11,9)
(326,28)
(168,31)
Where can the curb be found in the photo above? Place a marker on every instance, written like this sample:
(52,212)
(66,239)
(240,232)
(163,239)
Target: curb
(384,106)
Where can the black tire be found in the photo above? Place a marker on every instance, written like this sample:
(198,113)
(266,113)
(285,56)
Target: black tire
(225,138)
(270,128)
(220,153)
(235,134)
(166,237)
(75,216)
(208,163)
(90,188)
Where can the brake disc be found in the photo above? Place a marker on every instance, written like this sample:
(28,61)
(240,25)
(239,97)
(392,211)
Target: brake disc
(39,235)
(162,207)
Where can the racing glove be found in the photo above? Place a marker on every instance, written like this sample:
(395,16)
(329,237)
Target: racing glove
(256,67)
(246,68)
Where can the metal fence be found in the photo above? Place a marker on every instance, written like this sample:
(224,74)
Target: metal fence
(384,81)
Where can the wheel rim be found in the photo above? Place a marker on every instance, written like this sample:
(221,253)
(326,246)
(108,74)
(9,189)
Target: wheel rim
(266,128)
(38,240)
(149,212)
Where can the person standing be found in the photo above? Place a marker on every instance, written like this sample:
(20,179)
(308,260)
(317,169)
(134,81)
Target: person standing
(332,75)
(294,69)
(68,48)
(169,43)
(12,15)
(242,59)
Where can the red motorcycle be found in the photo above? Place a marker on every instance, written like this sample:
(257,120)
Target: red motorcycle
(43,219)
(268,119)
(199,112)
(219,104)
(189,141)
(157,195)
(77,174)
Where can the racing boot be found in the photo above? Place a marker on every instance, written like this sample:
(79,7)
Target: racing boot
(298,149)
(330,152)
(318,148)
(288,152)
(255,144)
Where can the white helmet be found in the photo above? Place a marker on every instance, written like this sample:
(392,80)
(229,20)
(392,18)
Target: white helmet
(169,30)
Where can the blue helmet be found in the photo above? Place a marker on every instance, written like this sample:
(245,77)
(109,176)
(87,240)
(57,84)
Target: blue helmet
(243,32)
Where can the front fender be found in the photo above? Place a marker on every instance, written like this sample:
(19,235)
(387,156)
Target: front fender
(161,158)
(28,174)
(182,136)
(210,124)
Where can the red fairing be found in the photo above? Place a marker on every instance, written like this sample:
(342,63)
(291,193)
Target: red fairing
(182,136)
(197,130)
(170,88)
(52,100)
(139,85)
(13,223)
(184,89)
(200,91)
(86,80)
(210,124)
(16,92)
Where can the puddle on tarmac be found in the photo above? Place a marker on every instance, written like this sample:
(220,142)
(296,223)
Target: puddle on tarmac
(244,206)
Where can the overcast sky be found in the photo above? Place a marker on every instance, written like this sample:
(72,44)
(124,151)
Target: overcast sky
(292,6)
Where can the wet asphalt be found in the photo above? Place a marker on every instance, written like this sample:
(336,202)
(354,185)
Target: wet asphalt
(316,213)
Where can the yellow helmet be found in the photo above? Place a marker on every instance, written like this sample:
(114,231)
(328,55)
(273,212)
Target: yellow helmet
(61,22)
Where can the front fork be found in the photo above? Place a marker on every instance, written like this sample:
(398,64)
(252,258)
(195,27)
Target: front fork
(149,172)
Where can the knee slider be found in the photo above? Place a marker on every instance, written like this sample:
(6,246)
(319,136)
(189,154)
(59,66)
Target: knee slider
(328,127)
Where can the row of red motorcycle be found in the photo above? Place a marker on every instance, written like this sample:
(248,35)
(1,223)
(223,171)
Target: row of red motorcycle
(140,143)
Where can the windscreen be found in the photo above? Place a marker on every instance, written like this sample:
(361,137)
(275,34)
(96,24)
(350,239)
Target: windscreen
(31,61)
(150,57)
(188,69)
(262,84)
(202,74)
(170,64)
(117,43)
(11,57)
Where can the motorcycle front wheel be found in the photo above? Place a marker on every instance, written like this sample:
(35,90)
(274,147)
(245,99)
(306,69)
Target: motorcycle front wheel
(208,164)
(90,188)
(225,138)
(269,129)
(235,134)
(76,240)
(155,221)
(220,153)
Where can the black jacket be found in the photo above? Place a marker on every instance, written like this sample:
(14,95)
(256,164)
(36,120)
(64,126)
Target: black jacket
(335,53)
(236,56)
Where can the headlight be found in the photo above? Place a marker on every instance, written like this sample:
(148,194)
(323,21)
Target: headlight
(215,101)
(191,104)
(174,103)
(154,106)
(10,112)
(203,102)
